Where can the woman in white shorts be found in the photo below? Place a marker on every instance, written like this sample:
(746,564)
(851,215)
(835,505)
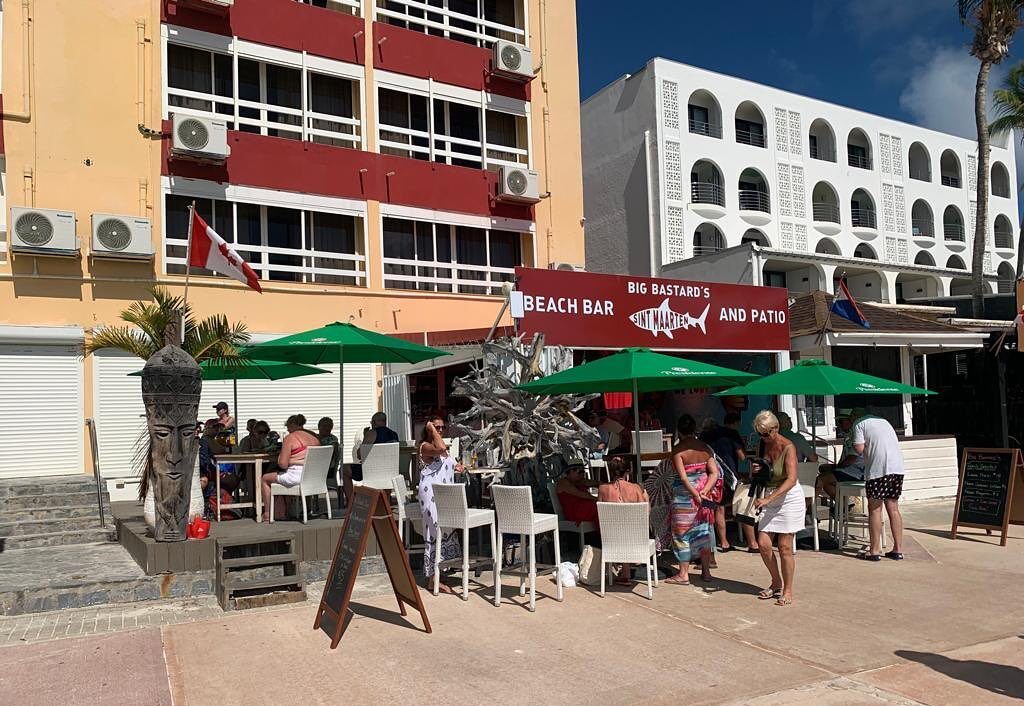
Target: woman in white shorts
(291,458)
(782,508)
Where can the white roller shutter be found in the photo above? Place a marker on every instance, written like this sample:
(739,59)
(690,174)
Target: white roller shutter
(396,404)
(119,413)
(41,412)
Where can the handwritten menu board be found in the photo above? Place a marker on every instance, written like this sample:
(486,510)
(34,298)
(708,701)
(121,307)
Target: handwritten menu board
(986,489)
(370,510)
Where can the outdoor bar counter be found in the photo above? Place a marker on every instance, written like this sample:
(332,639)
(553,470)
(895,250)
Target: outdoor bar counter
(931,464)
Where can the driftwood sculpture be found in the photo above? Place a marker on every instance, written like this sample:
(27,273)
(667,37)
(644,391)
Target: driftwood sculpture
(515,429)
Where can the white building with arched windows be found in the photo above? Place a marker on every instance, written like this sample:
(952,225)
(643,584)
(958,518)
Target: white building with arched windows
(680,162)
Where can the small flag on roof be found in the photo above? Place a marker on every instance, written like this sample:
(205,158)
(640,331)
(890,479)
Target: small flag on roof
(846,306)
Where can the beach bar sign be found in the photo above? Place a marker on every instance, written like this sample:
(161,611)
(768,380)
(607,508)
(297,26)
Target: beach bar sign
(590,310)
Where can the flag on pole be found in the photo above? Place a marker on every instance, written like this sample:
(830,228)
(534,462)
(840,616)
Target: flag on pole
(846,306)
(209,250)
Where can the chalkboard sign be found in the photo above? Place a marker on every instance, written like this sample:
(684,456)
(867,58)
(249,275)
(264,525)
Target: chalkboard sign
(370,509)
(985,494)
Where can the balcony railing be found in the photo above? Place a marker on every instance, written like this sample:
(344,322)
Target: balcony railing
(699,127)
(920,173)
(699,250)
(953,181)
(922,227)
(754,201)
(750,137)
(349,7)
(953,231)
(863,218)
(707,192)
(429,19)
(856,160)
(826,155)
(825,211)
(1003,238)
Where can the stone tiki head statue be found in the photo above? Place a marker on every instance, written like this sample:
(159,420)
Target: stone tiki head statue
(171,384)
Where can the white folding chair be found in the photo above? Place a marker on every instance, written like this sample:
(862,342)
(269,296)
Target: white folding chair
(410,514)
(514,507)
(312,480)
(626,539)
(565,525)
(380,464)
(453,512)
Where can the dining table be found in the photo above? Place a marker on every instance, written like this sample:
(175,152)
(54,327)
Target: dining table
(243,462)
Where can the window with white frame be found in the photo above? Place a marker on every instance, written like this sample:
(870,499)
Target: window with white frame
(439,257)
(268,98)
(280,244)
(477,22)
(348,7)
(459,136)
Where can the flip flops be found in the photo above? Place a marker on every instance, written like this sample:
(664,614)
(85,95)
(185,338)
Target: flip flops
(869,557)
(770,593)
(895,556)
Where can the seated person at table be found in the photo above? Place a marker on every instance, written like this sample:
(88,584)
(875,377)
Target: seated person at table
(594,421)
(620,490)
(256,441)
(804,451)
(228,486)
(224,416)
(290,460)
(578,505)
(851,463)
(208,448)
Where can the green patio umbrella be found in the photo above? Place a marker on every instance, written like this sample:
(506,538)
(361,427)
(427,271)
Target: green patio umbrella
(637,370)
(250,369)
(342,343)
(816,377)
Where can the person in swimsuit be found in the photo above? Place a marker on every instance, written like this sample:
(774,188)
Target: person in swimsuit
(290,460)
(620,490)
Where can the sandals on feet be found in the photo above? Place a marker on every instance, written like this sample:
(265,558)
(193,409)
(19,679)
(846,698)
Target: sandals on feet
(677,580)
(895,556)
(769,593)
(869,557)
(782,600)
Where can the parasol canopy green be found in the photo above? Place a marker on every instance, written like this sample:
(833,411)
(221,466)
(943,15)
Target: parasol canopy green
(816,377)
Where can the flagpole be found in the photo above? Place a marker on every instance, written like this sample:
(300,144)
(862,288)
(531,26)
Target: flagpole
(188,268)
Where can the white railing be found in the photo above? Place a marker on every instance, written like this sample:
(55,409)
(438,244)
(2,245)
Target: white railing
(401,139)
(480,31)
(324,126)
(507,156)
(442,148)
(287,120)
(311,269)
(439,276)
(348,7)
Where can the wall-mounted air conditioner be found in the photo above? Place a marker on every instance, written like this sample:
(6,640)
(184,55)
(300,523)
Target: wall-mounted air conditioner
(512,61)
(518,184)
(566,267)
(43,231)
(122,237)
(205,139)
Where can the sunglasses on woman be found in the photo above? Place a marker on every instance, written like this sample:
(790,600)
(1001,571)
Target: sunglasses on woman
(766,434)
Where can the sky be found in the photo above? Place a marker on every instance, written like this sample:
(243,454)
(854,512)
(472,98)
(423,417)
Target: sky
(904,59)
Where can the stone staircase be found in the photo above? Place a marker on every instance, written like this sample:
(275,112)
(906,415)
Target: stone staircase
(49,512)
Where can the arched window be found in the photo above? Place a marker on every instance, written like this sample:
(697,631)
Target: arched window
(920,162)
(922,221)
(1005,278)
(753,235)
(827,246)
(953,224)
(923,258)
(706,183)
(949,165)
(825,203)
(1002,231)
(821,139)
(704,113)
(862,210)
(753,192)
(865,252)
(749,125)
(1000,180)
(858,149)
(955,262)
(707,239)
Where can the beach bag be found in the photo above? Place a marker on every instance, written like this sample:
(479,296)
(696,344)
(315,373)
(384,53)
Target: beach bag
(743,503)
(590,566)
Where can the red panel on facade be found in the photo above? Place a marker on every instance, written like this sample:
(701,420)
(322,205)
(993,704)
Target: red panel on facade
(448,61)
(305,167)
(281,23)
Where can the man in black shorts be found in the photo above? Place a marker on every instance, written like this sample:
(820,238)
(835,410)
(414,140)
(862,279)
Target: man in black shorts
(883,470)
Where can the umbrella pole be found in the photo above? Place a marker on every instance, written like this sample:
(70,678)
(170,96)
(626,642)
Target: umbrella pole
(636,432)
(234,384)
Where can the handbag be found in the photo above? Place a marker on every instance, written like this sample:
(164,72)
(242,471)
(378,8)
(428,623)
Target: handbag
(743,503)
(590,566)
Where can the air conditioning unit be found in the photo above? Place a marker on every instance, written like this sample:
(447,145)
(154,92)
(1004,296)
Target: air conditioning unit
(566,267)
(512,61)
(122,237)
(205,139)
(44,231)
(518,184)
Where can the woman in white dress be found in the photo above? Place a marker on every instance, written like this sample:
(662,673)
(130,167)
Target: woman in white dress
(782,509)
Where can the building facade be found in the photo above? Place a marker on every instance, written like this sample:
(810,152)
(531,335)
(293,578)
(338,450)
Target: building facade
(357,153)
(683,163)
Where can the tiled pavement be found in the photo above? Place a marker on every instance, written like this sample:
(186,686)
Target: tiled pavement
(79,622)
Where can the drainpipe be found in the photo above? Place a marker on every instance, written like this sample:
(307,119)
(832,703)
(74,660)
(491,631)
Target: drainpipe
(546,128)
(26,66)
(650,207)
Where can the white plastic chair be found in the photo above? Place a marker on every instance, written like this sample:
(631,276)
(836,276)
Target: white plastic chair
(380,464)
(453,512)
(312,480)
(410,514)
(626,539)
(565,525)
(847,519)
(514,507)
(807,476)
(649,442)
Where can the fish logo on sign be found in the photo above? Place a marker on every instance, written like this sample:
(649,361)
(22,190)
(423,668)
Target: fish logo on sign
(662,319)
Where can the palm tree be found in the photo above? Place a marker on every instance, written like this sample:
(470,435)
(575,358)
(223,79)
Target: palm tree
(1008,106)
(994,23)
(213,337)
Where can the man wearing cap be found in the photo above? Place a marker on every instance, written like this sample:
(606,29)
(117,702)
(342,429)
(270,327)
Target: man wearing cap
(851,463)
(224,415)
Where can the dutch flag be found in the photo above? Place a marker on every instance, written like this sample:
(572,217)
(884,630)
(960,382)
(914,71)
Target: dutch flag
(846,306)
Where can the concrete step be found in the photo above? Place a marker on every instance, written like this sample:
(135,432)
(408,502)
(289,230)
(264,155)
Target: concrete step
(56,485)
(51,513)
(73,499)
(57,539)
(51,524)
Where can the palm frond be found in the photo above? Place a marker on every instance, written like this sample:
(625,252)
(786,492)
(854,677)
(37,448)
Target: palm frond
(217,338)
(121,338)
(1008,103)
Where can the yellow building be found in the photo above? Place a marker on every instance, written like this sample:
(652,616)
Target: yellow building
(374,161)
